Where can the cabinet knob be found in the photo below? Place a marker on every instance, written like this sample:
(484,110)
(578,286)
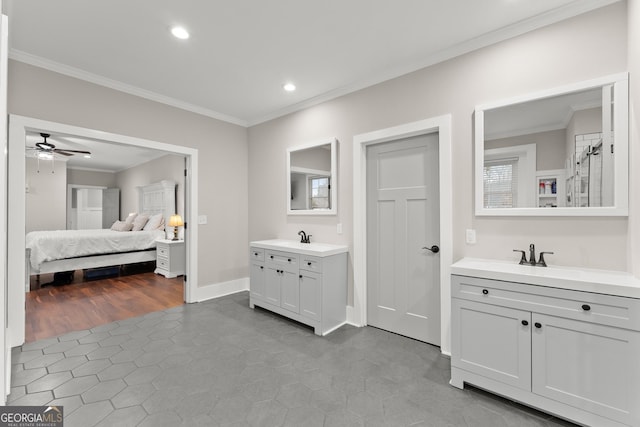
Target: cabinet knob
(485,291)
(289,259)
(255,253)
(271,256)
(525,323)
(261,267)
(586,307)
(300,276)
(309,264)
(538,325)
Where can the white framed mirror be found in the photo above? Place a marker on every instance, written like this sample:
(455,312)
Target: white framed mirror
(558,152)
(312,178)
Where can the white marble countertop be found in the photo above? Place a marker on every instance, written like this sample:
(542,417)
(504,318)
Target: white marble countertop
(608,282)
(314,249)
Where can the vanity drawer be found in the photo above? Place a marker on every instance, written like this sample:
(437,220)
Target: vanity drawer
(256,254)
(281,259)
(311,263)
(585,306)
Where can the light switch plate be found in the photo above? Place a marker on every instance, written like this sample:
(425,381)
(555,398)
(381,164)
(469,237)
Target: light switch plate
(339,228)
(202,219)
(471,236)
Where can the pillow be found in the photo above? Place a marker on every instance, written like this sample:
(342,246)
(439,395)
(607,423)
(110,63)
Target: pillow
(130,218)
(156,222)
(121,226)
(140,222)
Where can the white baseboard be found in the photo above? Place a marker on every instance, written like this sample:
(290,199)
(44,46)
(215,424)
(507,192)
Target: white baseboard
(221,289)
(352,318)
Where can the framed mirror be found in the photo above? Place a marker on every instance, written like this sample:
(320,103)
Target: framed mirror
(311,178)
(559,152)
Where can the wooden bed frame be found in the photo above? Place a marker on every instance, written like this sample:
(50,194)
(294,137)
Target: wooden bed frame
(154,198)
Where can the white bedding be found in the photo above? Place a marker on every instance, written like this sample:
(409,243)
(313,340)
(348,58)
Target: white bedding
(61,244)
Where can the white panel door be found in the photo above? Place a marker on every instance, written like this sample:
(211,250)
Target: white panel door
(403,279)
(587,366)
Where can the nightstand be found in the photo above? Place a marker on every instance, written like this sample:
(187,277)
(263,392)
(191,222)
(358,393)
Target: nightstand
(170,258)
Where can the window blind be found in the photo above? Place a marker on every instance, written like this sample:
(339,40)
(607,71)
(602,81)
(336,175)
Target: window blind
(501,183)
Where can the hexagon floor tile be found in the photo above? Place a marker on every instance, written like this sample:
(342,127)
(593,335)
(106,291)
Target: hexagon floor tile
(221,363)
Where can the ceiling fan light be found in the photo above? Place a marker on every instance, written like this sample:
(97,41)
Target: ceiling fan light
(45,156)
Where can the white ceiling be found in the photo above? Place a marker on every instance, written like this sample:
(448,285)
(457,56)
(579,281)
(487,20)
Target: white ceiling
(105,156)
(241,52)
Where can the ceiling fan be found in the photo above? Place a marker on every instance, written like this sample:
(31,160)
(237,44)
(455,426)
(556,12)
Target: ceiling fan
(46,147)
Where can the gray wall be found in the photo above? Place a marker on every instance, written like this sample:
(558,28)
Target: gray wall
(46,198)
(551,147)
(222,149)
(95,178)
(549,57)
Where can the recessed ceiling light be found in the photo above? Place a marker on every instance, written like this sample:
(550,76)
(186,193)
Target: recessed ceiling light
(180,32)
(289,87)
(87,156)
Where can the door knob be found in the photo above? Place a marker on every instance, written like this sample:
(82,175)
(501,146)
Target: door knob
(435,249)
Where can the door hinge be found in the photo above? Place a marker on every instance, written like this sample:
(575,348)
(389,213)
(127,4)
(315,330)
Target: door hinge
(611,148)
(185,277)
(185,225)
(185,172)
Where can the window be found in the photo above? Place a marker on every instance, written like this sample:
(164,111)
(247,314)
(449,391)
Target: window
(501,183)
(320,189)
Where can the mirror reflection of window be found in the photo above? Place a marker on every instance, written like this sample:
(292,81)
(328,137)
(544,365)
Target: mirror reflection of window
(501,183)
(320,191)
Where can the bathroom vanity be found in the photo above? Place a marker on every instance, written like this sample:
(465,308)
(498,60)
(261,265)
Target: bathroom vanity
(563,340)
(306,282)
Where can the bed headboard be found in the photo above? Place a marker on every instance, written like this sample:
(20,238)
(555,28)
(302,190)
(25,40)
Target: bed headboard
(159,197)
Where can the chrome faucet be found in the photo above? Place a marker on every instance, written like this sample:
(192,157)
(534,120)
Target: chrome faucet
(532,254)
(303,237)
(532,257)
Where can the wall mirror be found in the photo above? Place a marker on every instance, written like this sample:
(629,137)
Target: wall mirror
(311,178)
(560,152)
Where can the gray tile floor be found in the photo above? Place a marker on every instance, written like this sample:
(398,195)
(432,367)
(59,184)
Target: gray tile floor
(220,363)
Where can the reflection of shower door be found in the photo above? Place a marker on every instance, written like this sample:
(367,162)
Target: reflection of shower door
(582,182)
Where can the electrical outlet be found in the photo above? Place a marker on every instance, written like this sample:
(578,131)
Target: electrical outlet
(471,236)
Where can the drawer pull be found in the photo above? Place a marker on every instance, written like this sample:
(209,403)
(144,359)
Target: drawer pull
(485,291)
(538,325)
(309,264)
(586,307)
(300,276)
(289,259)
(255,253)
(271,256)
(262,267)
(525,323)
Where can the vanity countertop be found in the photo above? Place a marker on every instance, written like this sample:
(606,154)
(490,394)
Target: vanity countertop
(313,249)
(608,282)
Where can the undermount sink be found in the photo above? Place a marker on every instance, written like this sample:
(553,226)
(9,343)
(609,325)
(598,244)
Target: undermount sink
(314,249)
(585,279)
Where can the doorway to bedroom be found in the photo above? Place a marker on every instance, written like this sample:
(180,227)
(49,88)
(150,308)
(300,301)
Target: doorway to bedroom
(153,183)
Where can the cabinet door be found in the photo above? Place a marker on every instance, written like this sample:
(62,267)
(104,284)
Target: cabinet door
(290,291)
(588,366)
(257,281)
(272,286)
(492,341)
(310,294)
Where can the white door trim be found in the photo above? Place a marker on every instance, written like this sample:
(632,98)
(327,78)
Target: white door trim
(442,125)
(16,265)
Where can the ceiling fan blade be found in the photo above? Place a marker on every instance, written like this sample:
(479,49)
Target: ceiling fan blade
(62,152)
(70,152)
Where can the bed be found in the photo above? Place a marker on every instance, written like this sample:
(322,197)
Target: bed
(66,250)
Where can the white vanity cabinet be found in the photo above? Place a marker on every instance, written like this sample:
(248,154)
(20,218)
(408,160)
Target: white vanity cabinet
(569,352)
(305,282)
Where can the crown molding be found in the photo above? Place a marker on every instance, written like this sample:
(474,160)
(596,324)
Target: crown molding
(570,10)
(27,58)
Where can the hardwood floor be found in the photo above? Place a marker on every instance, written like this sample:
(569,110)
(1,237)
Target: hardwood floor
(52,311)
